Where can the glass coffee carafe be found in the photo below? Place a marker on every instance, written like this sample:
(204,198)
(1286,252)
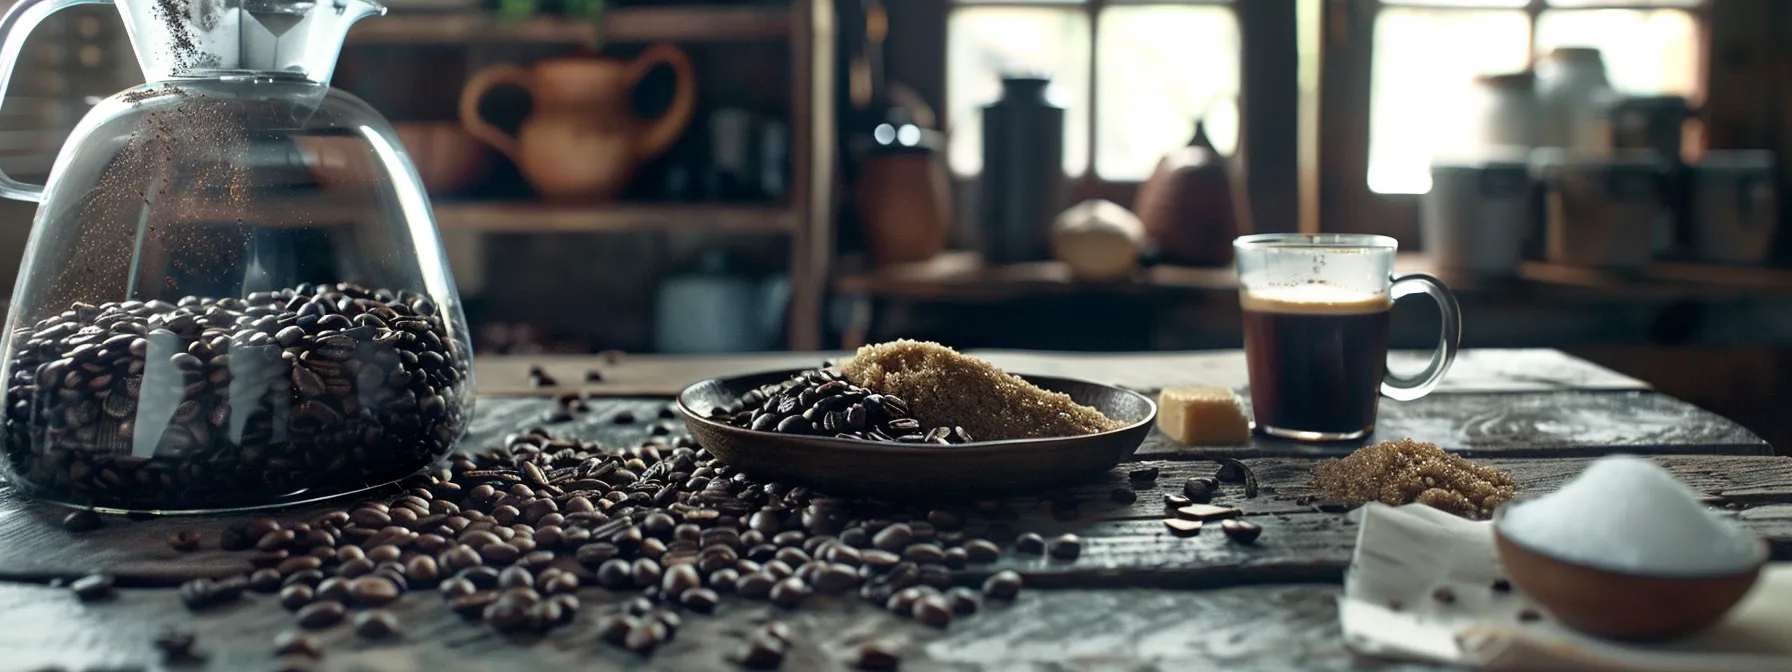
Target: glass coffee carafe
(234,294)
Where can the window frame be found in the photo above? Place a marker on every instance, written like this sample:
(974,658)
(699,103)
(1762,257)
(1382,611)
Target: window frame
(926,23)
(1347,56)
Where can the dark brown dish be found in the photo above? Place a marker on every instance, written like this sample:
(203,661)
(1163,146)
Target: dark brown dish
(974,470)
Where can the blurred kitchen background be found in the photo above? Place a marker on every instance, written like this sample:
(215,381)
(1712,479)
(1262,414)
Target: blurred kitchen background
(1601,176)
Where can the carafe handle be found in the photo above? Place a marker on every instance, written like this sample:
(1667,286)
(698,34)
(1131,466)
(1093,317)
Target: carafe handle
(15,27)
(482,82)
(665,130)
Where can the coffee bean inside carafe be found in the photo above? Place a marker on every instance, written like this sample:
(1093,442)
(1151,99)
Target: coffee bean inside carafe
(217,403)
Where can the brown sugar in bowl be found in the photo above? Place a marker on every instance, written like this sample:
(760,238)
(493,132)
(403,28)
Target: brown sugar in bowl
(1620,605)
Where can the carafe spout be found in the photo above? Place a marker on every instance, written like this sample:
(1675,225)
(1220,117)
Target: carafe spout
(207,38)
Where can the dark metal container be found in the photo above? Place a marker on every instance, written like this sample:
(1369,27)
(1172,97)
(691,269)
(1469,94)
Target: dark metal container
(1022,185)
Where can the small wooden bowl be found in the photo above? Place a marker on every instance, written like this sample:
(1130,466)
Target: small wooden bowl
(1624,606)
(977,470)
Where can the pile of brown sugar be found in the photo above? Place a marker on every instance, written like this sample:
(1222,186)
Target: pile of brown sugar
(1406,471)
(944,388)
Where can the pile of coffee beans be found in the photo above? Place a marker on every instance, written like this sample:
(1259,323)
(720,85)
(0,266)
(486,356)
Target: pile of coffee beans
(509,535)
(820,402)
(210,403)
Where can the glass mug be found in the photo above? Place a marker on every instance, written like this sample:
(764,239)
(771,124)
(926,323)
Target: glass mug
(1316,314)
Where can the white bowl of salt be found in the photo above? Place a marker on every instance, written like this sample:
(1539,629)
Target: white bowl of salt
(1626,551)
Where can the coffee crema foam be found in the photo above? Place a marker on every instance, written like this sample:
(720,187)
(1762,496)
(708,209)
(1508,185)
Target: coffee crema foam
(1314,299)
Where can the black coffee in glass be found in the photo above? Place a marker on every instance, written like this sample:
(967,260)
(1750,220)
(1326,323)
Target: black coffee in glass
(1316,321)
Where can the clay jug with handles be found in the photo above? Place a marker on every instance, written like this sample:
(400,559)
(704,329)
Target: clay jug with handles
(582,141)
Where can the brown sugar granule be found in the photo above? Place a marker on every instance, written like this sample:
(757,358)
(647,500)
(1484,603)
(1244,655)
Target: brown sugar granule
(1406,471)
(947,389)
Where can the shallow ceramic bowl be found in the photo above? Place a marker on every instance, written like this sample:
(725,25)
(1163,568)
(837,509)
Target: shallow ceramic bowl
(976,470)
(1619,605)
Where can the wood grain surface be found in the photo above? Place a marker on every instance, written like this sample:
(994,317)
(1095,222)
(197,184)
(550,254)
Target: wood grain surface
(1137,598)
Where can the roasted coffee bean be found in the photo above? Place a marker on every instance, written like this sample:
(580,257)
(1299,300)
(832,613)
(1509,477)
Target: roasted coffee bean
(615,573)
(1443,595)
(789,593)
(335,589)
(516,577)
(295,596)
(376,624)
(319,615)
(1003,585)
(177,647)
(1066,547)
(422,569)
(1241,531)
(1198,490)
(894,538)
(294,643)
(81,521)
(373,590)
(933,610)
(761,652)
(677,579)
(269,580)
(757,585)
(92,587)
(1123,496)
(834,579)
(982,550)
(185,541)
(645,637)
(700,600)
(645,572)
(1029,544)
(474,604)
(878,657)
(1502,586)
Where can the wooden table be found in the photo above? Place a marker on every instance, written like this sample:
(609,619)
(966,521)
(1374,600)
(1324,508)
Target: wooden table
(1136,599)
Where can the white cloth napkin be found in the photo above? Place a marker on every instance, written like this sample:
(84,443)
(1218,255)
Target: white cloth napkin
(1404,554)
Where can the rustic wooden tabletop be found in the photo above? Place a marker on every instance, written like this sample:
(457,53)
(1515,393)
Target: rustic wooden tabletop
(1136,599)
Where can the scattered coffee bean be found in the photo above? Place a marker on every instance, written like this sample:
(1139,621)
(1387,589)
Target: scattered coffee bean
(933,610)
(1197,490)
(185,541)
(645,637)
(376,624)
(295,643)
(1003,585)
(1174,501)
(878,656)
(700,600)
(761,652)
(373,590)
(964,601)
(1241,531)
(1333,507)
(1144,474)
(296,596)
(92,587)
(1066,547)
(177,647)
(267,580)
(982,550)
(1030,543)
(1502,586)
(789,593)
(1123,496)
(81,521)
(321,615)
(1444,595)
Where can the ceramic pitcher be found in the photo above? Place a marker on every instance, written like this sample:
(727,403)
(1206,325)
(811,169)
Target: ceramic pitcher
(581,141)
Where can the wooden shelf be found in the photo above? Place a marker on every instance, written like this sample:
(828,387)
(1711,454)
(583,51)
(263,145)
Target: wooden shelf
(500,217)
(624,24)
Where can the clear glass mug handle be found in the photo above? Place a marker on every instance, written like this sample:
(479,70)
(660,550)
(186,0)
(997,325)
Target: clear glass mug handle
(1449,338)
(14,28)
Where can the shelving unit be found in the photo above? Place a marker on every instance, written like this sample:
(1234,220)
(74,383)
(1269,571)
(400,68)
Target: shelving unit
(806,218)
